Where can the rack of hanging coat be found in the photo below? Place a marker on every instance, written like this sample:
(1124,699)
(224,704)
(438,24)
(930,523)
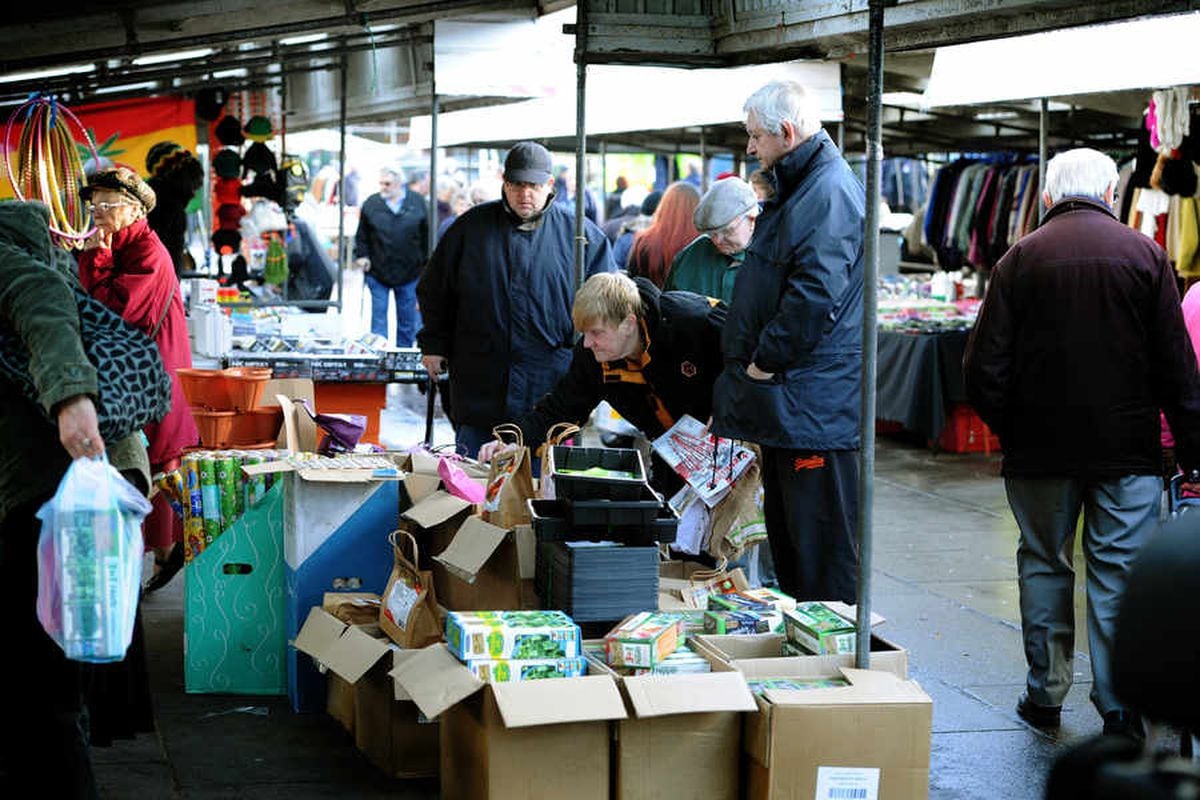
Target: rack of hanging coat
(1157,192)
(978,208)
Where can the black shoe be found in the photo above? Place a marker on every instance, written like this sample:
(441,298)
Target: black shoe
(166,569)
(1038,716)
(1124,723)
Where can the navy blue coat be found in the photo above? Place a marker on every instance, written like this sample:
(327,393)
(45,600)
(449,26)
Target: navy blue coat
(797,311)
(496,302)
(395,243)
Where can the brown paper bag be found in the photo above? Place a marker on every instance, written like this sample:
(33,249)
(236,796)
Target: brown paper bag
(558,433)
(737,521)
(720,580)
(510,482)
(408,613)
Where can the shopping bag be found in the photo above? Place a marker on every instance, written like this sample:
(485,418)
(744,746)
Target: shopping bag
(90,561)
(408,612)
(510,482)
(737,520)
(558,433)
(341,431)
(719,580)
(458,482)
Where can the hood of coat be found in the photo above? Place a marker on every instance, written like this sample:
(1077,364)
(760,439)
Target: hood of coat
(27,225)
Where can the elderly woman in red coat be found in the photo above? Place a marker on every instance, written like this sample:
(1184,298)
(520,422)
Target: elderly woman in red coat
(126,267)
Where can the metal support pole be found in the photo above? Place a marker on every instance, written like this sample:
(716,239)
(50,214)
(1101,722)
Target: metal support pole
(866,480)
(841,136)
(341,248)
(433,138)
(283,101)
(580,141)
(1043,123)
(604,178)
(703,161)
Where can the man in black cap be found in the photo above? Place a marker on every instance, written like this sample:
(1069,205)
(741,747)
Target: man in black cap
(496,298)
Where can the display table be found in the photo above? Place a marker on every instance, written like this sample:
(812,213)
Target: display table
(919,379)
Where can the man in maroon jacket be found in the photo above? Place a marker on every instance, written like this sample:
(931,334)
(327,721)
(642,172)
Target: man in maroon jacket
(1079,343)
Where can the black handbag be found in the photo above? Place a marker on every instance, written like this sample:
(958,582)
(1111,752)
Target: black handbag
(133,386)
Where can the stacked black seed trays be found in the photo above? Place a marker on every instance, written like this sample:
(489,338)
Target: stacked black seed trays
(597,556)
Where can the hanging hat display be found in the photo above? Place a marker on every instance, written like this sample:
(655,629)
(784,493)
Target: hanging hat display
(229,216)
(227,163)
(258,129)
(209,102)
(265,184)
(229,132)
(227,242)
(227,190)
(258,158)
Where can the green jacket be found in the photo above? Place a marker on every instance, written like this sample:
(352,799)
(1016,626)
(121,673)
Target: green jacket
(37,305)
(702,268)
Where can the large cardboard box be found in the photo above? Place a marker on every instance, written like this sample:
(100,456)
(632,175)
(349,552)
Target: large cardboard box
(387,728)
(683,737)
(761,655)
(433,522)
(529,739)
(867,739)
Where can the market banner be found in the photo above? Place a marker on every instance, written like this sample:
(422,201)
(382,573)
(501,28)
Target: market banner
(125,130)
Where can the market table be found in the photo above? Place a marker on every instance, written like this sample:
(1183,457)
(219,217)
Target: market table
(919,379)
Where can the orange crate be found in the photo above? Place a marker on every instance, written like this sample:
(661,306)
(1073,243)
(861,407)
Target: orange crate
(256,426)
(368,399)
(965,432)
(206,388)
(215,428)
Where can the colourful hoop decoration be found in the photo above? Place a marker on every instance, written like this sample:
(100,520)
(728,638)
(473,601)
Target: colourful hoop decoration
(49,168)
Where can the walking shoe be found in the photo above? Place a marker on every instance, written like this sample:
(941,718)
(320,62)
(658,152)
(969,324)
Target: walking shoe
(1038,716)
(1124,723)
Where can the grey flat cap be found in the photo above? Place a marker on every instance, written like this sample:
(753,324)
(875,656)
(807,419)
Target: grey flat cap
(725,201)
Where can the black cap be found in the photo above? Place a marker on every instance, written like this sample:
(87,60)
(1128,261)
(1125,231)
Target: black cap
(528,162)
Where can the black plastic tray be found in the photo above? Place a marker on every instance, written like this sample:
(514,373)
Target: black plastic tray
(582,487)
(627,523)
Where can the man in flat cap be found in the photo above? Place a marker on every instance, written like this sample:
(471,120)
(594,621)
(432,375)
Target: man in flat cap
(496,298)
(725,219)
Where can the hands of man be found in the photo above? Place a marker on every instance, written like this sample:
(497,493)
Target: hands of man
(434,365)
(78,427)
(493,448)
(363,263)
(757,374)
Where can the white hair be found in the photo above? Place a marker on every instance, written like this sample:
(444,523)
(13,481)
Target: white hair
(1082,172)
(395,172)
(784,101)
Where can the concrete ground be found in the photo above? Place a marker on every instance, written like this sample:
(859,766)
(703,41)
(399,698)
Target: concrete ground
(944,577)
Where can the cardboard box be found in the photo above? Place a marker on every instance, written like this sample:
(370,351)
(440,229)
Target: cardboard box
(761,655)
(682,738)
(531,739)
(817,629)
(389,730)
(643,640)
(339,701)
(480,568)
(433,522)
(868,739)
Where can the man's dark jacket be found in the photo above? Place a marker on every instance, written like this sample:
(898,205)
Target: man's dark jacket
(685,358)
(395,243)
(797,311)
(1079,342)
(496,302)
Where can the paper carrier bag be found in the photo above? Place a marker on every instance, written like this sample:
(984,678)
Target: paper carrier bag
(510,482)
(408,613)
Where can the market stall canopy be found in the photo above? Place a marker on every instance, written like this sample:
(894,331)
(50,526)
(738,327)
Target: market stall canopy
(624,99)
(705,33)
(1107,56)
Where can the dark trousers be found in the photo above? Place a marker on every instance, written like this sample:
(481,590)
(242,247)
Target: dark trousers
(42,740)
(810,502)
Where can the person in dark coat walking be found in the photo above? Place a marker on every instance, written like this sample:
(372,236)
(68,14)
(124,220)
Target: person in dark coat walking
(653,355)
(1079,342)
(793,346)
(390,246)
(496,298)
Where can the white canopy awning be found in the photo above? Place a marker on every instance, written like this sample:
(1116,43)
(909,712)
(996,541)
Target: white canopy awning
(622,99)
(1143,54)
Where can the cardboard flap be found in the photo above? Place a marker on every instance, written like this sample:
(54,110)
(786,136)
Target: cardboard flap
(299,432)
(436,680)
(355,653)
(470,548)
(436,509)
(659,695)
(399,656)
(321,631)
(424,464)
(526,703)
(526,551)
(849,612)
(419,486)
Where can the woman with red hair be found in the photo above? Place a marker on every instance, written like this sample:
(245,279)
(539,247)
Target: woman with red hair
(670,231)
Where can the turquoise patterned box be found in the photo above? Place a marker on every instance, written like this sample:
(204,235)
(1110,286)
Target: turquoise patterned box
(233,610)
